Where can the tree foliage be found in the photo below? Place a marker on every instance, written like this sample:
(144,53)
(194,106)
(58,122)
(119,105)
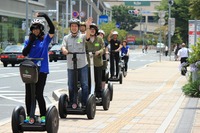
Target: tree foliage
(179,11)
(194,9)
(108,27)
(125,20)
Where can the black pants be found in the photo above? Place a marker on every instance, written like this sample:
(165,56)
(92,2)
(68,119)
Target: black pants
(125,58)
(97,78)
(184,59)
(114,64)
(103,75)
(166,53)
(39,89)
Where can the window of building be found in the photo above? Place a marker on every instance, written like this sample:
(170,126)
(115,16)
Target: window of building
(11,30)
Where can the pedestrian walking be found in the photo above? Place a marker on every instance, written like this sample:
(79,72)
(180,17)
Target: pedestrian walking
(183,54)
(166,50)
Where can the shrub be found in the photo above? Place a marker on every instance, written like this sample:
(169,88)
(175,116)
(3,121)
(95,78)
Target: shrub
(192,89)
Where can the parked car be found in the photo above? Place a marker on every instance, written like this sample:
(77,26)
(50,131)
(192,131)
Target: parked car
(160,47)
(55,53)
(12,55)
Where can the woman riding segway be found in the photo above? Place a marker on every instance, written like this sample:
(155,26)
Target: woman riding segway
(34,75)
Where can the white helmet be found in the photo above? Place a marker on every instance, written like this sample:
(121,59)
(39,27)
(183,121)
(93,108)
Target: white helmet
(101,31)
(115,33)
(37,21)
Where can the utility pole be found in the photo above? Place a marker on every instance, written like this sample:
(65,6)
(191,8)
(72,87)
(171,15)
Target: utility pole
(26,17)
(170,3)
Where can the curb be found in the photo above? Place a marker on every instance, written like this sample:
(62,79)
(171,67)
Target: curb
(57,93)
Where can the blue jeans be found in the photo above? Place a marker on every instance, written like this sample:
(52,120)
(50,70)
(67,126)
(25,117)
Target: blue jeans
(83,77)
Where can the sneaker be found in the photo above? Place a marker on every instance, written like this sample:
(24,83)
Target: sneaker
(27,119)
(43,119)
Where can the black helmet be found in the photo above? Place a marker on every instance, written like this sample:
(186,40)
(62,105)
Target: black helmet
(74,21)
(93,25)
(37,24)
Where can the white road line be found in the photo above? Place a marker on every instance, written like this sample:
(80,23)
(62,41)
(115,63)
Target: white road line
(10,98)
(6,75)
(5,87)
(60,81)
(143,60)
(54,71)
(11,94)
(11,91)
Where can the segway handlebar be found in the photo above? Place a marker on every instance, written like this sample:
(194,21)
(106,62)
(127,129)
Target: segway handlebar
(76,52)
(31,59)
(113,51)
(34,59)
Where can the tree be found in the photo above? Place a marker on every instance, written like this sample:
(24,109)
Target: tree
(179,11)
(194,9)
(108,27)
(123,18)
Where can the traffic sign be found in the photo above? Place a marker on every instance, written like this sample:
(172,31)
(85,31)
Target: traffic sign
(161,14)
(75,14)
(161,21)
(172,25)
(103,19)
(82,14)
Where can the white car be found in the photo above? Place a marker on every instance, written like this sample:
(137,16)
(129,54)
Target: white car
(160,47)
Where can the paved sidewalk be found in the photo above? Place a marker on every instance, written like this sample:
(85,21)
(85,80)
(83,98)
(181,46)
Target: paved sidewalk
(150,100)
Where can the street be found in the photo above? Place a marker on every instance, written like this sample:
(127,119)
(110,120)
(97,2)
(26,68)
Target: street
(12,87)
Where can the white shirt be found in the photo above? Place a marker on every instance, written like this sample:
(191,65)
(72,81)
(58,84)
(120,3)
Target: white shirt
(183,52)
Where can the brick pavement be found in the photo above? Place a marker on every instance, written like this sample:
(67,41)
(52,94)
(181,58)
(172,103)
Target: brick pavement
(149,100)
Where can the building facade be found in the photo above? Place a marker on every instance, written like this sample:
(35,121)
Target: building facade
(13,15)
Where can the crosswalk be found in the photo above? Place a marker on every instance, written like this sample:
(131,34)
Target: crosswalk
(7,93)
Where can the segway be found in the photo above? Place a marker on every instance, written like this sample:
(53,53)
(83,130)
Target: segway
(64,106)
(122,66)
(29,74)
(109,86)
(119,78)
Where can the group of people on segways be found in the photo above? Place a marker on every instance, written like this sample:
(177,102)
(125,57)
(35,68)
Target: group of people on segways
(87,58)
(84,52)
(119,55)
(34,71)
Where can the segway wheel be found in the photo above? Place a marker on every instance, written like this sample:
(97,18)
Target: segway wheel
(80,95)
(123,71)
(52,120)
(18,116)
(91,107)
(120,78)
(110,87)
(106,99)
(107,74)
(62,105)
